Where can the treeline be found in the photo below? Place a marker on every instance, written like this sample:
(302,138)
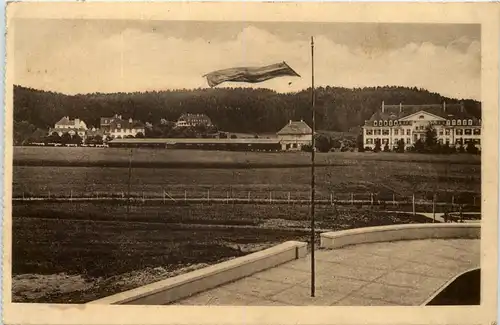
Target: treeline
(243,110)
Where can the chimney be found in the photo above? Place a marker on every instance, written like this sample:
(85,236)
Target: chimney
(130,120)
(290,122)
(77,122)
(383,106)
(462,107)
(400,107)
(444,106)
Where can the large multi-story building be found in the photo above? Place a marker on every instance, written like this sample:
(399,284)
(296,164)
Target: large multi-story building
(192,120)
(453,125)
(67,125)
(117,127)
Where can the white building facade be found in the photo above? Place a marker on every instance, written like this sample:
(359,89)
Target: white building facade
(295,135)
(453,125)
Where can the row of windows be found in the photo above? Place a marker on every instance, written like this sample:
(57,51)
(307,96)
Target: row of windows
(125,130)
(441,132)
(386,132)
(408,141)
(448,122)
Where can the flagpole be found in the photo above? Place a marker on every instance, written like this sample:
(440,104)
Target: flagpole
(313,131)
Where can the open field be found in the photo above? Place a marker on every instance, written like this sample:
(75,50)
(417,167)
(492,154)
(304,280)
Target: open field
(119,157)
(98,246)
(345,174)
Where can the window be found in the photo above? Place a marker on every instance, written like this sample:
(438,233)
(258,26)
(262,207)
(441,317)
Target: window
(441,132)
(385,123)
(407,140)
(464,122)
(477,131)
(453,122)
(369,141)
(468,132)
(408,132)
(470,122)
(459,122)
(447,122)
(396,132)
(447,142)
(390,122)
(421,127)
(458,141)
(447,132)
(395,140)
(369,132)
(395,122)
(385,141)
(421,117)
(440,141)
(118,125)
(385,132)
(459,132)
(375,123)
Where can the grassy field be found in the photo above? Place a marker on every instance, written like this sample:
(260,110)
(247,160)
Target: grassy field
(101,242)
(119,157)
(90,170)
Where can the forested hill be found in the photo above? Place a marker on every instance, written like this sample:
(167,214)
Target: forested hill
(231,109)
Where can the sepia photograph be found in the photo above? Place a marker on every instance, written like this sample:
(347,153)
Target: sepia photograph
(246,162)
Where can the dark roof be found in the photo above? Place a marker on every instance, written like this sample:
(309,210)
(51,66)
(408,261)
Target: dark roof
(295,128)
(395,112)
(193,141)
(189,117)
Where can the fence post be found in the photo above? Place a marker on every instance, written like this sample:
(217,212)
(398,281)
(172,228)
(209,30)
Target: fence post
(413,200)
(248,196)
(143,197)
(270,197)
(288,197)
(49,194)
(227,197)
(331,199)
(208,195)
(185,196)
(453,200)
(371,198)
(393,199)
(70,195)
(434,208)
(23,195)
(352,199)
(474,200)
(163,196)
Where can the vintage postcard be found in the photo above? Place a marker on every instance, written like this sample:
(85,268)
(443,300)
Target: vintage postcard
(251,163)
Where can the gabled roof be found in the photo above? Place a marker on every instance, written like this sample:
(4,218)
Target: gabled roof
(65,121)
(190,117)
(446,111)
(295,128)
(438,118)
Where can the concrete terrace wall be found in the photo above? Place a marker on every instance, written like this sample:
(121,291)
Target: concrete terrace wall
(185,285)
(343,238)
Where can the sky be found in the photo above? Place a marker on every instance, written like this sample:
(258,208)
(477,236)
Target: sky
(85,56)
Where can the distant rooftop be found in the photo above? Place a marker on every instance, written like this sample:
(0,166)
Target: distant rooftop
(295,128)
(446,111)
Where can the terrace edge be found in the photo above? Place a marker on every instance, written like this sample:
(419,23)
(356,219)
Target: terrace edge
(339,239)
(185,285)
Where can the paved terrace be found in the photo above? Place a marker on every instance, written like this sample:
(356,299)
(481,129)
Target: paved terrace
(375,274)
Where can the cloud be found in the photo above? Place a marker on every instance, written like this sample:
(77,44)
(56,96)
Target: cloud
(137,60)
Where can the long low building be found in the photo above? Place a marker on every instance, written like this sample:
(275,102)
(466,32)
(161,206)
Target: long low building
(240,144)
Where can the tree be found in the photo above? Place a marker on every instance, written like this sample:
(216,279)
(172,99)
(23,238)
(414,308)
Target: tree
(139,135)
(359,143)
(233,136)
(54,138)
(386,148)
(400,146)
(76,139)
(430,137)
(377,145)
(419,146)
(65,138)
(471,148)
(322,143)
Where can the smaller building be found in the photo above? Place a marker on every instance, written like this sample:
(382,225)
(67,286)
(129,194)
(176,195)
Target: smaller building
(295,135)
(118,127)
(72,127)
(193,120)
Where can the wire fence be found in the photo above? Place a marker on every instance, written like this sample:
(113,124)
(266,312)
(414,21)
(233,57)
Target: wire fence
(230,196)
